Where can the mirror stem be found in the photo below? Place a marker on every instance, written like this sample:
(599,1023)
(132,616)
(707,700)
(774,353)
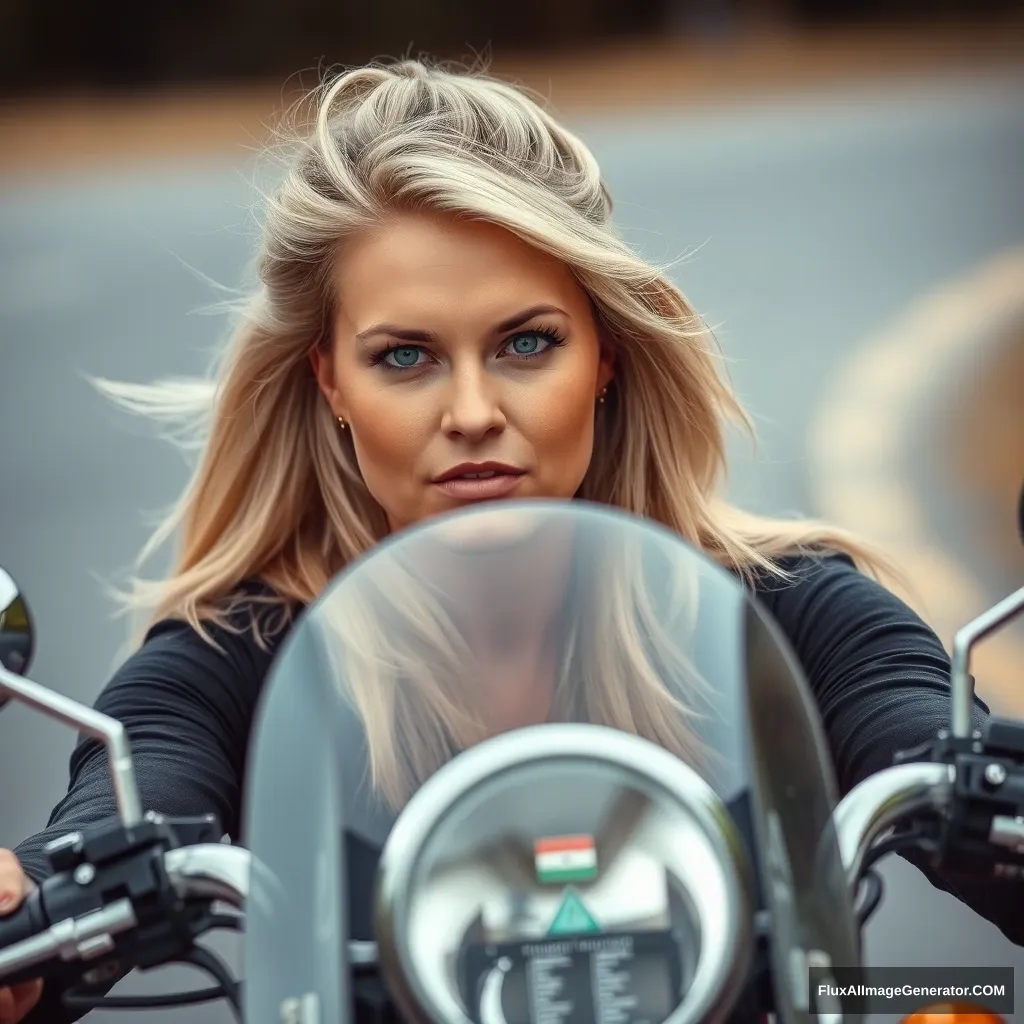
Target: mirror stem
(101,727)
(963,643)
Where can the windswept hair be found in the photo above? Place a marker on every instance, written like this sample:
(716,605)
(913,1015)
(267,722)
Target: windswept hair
(276,493)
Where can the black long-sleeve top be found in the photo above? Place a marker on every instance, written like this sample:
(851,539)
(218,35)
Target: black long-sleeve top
(879,674)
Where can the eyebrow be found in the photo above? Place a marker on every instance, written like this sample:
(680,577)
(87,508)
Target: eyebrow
(411,334)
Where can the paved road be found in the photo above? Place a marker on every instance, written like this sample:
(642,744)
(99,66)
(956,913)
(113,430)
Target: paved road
(813,224)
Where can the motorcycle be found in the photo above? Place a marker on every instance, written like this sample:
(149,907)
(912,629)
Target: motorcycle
(563,873)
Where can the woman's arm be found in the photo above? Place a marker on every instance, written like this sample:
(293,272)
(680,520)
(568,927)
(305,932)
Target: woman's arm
(187,708)
(881,678)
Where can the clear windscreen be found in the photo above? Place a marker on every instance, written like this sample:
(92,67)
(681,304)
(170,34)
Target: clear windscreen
(487,621)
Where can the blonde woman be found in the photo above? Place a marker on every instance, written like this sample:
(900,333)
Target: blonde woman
(442,293)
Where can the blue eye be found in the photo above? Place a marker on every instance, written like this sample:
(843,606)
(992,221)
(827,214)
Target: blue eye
(404,357)
(525,344)
(532,343)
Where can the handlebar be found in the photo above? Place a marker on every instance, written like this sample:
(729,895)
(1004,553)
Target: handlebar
(884,800)
(212,871)
(28,920)
(204,872)
(32,945)
(220,872)
(961,796)
(25,946)
(39,940)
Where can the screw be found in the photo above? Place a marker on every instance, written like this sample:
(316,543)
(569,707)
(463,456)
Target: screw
(84,874)
(995,774)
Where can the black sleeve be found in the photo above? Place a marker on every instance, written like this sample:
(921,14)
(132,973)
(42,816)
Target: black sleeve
(881,678)
(187,708)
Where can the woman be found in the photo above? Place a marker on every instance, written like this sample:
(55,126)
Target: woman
(446,315)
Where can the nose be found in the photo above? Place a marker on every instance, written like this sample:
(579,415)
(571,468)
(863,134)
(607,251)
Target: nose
(473,407)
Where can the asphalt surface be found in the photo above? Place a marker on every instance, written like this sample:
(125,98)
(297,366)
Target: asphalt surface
(805,226)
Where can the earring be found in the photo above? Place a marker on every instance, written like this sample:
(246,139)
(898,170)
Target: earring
(601,397)
(342,423)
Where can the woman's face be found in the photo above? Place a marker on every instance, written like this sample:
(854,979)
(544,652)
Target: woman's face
(459,350)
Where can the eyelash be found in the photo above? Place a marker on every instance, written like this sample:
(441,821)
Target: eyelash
(553,337)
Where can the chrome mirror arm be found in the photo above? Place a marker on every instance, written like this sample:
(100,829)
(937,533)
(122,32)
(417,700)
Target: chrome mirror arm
(102,727)
(966,639)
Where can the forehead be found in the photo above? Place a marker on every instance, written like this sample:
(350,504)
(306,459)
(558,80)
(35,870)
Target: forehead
(416,262)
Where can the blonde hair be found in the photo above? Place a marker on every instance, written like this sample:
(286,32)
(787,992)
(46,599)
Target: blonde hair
(277,494)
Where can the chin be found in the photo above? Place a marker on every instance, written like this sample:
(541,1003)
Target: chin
(494,529)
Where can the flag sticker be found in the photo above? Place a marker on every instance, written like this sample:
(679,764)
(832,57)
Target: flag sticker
(563,859)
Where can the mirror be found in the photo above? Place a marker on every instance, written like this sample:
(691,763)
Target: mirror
(16,633)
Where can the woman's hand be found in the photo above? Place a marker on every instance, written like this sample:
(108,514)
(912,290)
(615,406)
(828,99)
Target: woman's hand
(15,885)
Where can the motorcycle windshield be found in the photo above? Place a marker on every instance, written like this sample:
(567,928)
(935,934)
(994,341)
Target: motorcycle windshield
(493,620)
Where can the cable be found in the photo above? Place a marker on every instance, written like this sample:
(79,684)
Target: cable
(913,838)
(227,988)
(155,1002)
(872,887)
(873,891)
(214,966)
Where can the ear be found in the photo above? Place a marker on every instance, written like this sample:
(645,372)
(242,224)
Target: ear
(606,366)
(321,359)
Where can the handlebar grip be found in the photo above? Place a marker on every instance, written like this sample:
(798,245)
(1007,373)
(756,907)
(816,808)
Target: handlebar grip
(28,920)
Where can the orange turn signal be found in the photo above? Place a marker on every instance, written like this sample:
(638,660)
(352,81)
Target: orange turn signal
(953,1013)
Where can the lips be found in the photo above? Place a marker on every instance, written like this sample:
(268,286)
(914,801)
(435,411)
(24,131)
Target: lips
(479,481)
(478,471)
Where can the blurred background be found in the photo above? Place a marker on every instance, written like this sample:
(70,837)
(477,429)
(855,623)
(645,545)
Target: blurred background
(53,45)
(843,178)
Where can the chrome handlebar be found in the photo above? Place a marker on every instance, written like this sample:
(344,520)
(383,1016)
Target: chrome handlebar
(221,872)
(883,800)
(212,871)
(207,871)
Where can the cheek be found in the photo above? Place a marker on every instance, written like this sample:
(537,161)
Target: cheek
(558,422)
(389,434)
(387,438)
